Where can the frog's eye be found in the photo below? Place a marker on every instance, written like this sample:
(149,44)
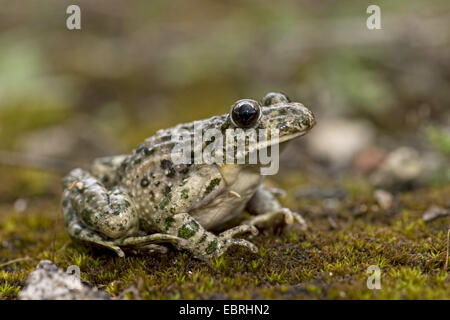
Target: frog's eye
(274,97)
(245,113)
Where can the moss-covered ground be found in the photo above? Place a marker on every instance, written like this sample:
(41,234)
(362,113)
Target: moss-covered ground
(329,260)
(148,65)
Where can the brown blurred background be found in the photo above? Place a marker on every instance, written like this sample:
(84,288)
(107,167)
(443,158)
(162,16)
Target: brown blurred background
(137,66)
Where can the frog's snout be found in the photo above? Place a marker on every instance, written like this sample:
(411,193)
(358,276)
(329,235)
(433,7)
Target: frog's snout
(304,118)
(310,119)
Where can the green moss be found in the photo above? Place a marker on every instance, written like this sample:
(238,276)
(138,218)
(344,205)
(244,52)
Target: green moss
(320,263)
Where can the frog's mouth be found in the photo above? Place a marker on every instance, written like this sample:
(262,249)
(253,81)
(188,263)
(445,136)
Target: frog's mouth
(280,141)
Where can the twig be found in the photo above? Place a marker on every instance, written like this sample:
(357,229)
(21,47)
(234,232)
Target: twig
(14,261)
(448,247)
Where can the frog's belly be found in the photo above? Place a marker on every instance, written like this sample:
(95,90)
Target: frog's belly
(226,207)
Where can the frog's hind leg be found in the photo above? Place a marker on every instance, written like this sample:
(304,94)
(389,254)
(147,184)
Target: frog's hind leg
(94,214)
(266,208)
(79,231)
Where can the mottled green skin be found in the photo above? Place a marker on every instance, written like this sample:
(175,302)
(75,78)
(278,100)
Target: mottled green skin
(141,199)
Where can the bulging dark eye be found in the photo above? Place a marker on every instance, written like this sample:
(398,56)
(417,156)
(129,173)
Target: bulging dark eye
(275,97)
(245,113)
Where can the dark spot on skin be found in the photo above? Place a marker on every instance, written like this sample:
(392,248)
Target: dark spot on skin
(168,222)
(188,230)
(166,164)
(185,193)
(152,195)
(86,214)
(185,170)
(144,183)
(149,152)
(157,183)
(165,201)
(139,148)
(225,125)
(171,173)
(214,182)
(105,178)
(212,246)
(65,203)
(203,238)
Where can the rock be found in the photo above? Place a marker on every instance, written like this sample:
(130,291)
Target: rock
(47,282)
(368,160)
(384,199)
(338,140)
(434,213)
(402,167)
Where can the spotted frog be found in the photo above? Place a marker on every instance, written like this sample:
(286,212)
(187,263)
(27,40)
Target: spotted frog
(144,200)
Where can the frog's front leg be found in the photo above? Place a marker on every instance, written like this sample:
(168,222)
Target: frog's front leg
(174,219)
(266,208)
(203,244)
(105,217)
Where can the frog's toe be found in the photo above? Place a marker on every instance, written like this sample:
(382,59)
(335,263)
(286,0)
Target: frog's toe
(288,215)
(278,192)
(243,243)
(230,233)
(299,219)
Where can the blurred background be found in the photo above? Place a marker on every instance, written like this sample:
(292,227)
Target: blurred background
(381,97)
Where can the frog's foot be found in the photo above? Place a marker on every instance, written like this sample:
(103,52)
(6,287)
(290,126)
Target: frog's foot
(226,240)
(266,208)
(188,234)
(244,228)
(289,218)
(78,231)
(94,213)
(225,244)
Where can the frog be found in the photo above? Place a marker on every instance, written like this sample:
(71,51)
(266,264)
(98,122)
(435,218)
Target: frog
(145,201)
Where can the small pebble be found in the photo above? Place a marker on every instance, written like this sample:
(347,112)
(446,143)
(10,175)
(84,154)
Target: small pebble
(434,213)
(384,199)
(20,205)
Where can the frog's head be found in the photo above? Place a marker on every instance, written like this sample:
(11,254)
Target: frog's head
(275,112)
(263,127)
